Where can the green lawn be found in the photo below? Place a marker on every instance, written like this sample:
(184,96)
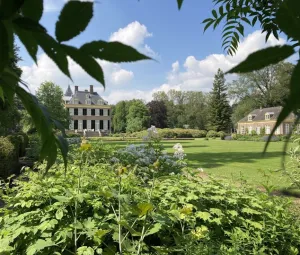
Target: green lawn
(232,159)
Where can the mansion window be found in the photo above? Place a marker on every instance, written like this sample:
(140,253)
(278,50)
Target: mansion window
(101,112)
(84,112)
(76,112)
(108,111)
(267,116)
(75,100)
(250,130)
(242,130)
(268,130)
(100,102)
(287,128)
(93,112)
(277,131)
(88,101)
(258,130)
(249,117)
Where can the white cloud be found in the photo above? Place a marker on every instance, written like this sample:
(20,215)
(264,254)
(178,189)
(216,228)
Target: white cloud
(134,34)
(199,74)
(46,70)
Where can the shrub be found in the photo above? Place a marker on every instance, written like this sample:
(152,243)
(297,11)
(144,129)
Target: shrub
(71,135)
(34,147)
(253,132)
(25,142)
(263,131)
(17,141)
(234,136)
(174,215)
(222,135)
(7,157)
(212,134)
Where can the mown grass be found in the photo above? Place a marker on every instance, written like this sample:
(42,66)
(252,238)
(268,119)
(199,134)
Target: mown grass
(232,160)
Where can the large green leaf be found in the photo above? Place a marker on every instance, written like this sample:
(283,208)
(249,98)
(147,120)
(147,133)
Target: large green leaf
(179,3)
(33,9)
(112,51)
(64,148)
(28,41)
(29,25)
(263,58)
(73,19)
(4,47)
(9,81)
(53,50)
(38,246)
(87,62)
(9,7)
(287,18)
(44,126)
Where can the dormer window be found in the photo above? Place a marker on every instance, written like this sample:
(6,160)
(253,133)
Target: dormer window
(87,96)
(100,102)
(267,116)
(75,100)
(249,117)
(88,101)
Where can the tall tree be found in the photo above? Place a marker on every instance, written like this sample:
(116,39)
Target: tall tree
(158,113)
(268,87)
(51,96)
(119,117)
(219,111)
(138,116)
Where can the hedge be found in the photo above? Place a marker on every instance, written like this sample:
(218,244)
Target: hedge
(170,133)
(8,157)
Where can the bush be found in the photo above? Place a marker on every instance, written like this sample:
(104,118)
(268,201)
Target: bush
(222,135)
(71,135)
(212,134)
(253,132)
(173,215)
(8,156)
(25,143)
(234,136)
(35,146)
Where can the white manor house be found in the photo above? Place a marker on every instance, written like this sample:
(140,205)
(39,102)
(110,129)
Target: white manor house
(88,111)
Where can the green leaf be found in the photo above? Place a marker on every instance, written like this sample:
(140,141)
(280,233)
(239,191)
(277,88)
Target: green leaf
(54,51)
(59,214)
(39,245)
(112,51)
(4,47)
(255,224)
(287,18)
(203,215)
(73,19)
(9,81)
(9,7)
(43,124)
(62,199)
(29,25)
(28,41)
(214,13)
(1,94)
(263,58)
(33,9)
(154,229)
(144,208)
(64,148)
(179,3)
(87,62)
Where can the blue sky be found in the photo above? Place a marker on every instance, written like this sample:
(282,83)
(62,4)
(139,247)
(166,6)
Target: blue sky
(186,57)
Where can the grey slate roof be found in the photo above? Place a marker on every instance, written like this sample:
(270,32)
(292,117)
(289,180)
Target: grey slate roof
(259,114)
(83,95)
(69,92)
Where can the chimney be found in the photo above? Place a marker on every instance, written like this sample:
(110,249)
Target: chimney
(91,89)
(76,88)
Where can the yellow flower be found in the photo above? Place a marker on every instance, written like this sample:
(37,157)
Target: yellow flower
(85,146)
(199,232)
(156,164)
(121,170)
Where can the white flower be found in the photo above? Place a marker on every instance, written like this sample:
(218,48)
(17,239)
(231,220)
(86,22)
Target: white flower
(177,146)
(200,169)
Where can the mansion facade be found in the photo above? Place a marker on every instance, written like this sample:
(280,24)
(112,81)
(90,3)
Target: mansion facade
(265,119)
(88,111)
